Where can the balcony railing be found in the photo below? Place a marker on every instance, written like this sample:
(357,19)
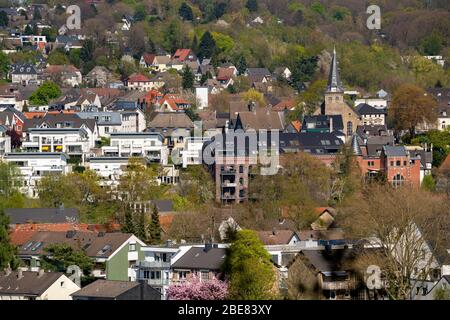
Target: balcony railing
(153,264)
(158,282)
(338,285)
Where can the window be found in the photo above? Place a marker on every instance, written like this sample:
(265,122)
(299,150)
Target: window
(404,163)
(146,274)
(132,247)
(398,163)
(241,169)
(349,128)
(204,275)
(398,180)
(392,163)
(106,129)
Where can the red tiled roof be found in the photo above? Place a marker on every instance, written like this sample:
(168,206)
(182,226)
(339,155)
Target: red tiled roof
(138,78)
(284,105)
(224,74)
(148,58)
(19,237)
(181,54)
(297,125)
(166,221)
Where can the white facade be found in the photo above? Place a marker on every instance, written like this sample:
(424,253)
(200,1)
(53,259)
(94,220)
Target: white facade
(73,141)
(140,144)
(201,95)
(61,289)
(133,121)
(5,144)
(109,169)
(192,151)
(33,166)
(373,119)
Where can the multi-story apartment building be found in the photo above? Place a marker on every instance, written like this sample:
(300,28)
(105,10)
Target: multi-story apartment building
(33,166)
(191,154)
(76,142)
(109,169)
(140,144)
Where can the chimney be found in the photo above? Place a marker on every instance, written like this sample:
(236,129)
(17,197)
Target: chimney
(41,272)
(19,274)
(331,124)
(208,246)
(274,231)
(168,243)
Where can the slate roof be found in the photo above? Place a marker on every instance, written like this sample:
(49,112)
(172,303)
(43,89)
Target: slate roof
(115,117)
(42,215)
(329,261)
(394,151)
(322,122)
(31,284)
(23,68)
(312,142)
(68,120)
(276,236)
(171,120)
(364,108)
(105,289)
(96,245)
(199,258)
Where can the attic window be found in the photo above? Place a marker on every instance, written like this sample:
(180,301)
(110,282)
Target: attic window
(105,249)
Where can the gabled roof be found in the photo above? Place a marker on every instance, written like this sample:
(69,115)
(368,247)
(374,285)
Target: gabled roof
(31,283)
(171,120)
(23,68)
(95,244)
(138,78)
(106,289)
(201,258)
(42,215)
(364,108)
(276,237)
(149,58)
(182,54)
(394,151)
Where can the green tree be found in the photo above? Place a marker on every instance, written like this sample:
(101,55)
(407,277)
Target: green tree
(154,228)
(87,51)
(188,78)
(442,293)
(303,71)
(4,64)
(141,227)
(7,250)
(28,30)
(3,19)
(140,13)
(207,47)
(57,58)
(428,183)
(432,45)
(58,257)
(46,92)
(241,65)
(185,12)
(128,225)
(252,5)
(50,33)
(249,268)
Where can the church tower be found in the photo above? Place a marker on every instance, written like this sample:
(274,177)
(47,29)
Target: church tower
(335,104)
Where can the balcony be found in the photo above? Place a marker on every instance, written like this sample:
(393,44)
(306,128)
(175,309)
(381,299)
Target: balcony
(158,282)
(153,264)
(228,171)
(228,197)
(230,184)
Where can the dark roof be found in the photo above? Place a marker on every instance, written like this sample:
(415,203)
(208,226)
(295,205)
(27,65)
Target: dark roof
(276,237)
(61,120)
(322,122)
(23,68)
(96,245)
(31,284)
(333,260)
(364,108)
(394,151)
(105,289)
(200,258)
(164,205)
(365,131)
(312,142)
(42,215)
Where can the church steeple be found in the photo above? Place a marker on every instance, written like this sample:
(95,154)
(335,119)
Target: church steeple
(334,80)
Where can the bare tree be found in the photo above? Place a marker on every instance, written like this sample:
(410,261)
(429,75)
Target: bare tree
(408,228)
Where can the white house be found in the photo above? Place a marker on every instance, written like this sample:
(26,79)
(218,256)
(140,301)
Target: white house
(109,169)
(192,151)
(108,122)
(34,165)
(5,141)
(73,141)
(378,103)
(149,145)
(30,285)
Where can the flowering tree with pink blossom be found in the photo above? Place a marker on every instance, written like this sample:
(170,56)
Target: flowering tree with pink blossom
(194,289)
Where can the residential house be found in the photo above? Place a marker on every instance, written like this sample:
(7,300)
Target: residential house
(258,75)
(225,75)
(114,254)
(155,267)
(33,166)
(380,103)
(425,156)
(30,285)
(116,290)
(68,42)
(278,237)
(173,103)
(107,122)
(324,123)
(99,77)
(371,115)
(192,152)
(184,55)
(32,216)
(147,60)
(161,63)
(109,169)
(205,262)
(325,220)
(174,127)
(282,72)
(149,145)
(5,141)
(442,96)
(76,142)
(138,82)
(65,75)
(24,74)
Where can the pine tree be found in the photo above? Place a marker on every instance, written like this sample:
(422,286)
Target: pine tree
(207,47)
(155,227)
(242,65)
(7,250)
(188,78)
(28,30)
(37,14)
(194,45)
(185,12)
(252,5)
(140,227)
(128,225)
